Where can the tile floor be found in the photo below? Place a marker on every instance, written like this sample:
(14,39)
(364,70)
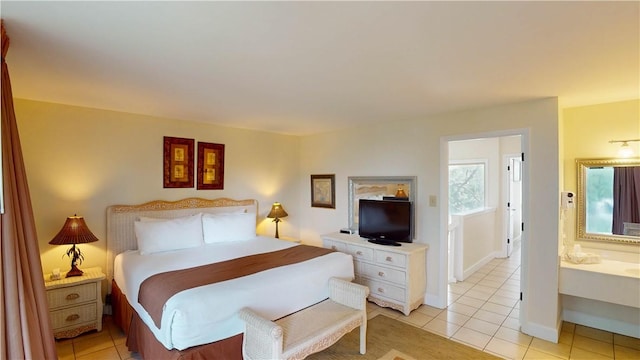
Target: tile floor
(108,344)
(482,313)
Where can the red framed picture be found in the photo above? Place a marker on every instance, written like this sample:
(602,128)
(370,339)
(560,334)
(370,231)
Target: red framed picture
(178,162)
(210,166)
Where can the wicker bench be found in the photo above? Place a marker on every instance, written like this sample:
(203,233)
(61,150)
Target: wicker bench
(310,330)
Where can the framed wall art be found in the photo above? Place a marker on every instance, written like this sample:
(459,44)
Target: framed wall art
(323,191)
(210,166)
(177,162)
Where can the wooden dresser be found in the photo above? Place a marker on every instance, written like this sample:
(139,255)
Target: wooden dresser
(75,303)
(396,275)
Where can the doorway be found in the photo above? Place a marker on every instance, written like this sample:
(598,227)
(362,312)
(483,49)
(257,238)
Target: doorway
(504,191)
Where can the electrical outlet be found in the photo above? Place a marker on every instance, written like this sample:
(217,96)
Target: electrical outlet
(433,201)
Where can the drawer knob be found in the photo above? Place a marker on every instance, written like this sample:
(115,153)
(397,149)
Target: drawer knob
(381,273)
(389,259)
(380,290)
(358,252)
(73,317)
(73,296)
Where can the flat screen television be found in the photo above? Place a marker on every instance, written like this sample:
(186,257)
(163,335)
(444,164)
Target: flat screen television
(386,222)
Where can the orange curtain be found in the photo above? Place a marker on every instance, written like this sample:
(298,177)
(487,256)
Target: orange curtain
(26,328)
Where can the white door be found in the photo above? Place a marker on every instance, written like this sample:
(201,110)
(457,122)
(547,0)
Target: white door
(514,203)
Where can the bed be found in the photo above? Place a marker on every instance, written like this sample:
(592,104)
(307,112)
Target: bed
(177,298)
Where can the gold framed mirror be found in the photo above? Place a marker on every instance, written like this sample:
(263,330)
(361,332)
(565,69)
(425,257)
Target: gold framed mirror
(595,201)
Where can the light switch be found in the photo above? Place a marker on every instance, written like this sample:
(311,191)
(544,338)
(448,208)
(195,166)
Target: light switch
(433,201)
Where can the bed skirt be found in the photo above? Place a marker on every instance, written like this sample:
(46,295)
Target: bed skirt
(141,340)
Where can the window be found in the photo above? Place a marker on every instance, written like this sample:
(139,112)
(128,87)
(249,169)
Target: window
(600,200)
(467,186)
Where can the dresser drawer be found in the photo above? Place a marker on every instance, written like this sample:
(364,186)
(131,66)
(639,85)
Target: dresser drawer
(384,289)
(335,245)
(391,258)
(73,316)
(71,295)
(360,252)
(385,273)
(359,267)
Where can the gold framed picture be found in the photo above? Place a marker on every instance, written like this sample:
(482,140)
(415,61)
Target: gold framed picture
(323,191)
(210,166)
(177,162)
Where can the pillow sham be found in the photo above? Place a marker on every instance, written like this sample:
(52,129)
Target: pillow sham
(147,219)
(165,235)
(225,212)
(228,227)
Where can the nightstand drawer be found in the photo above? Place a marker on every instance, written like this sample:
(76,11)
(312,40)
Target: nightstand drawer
(73,316)
(391,258)
(71,295)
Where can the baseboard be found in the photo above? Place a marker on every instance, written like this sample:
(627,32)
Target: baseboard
(478,265)
(602,323)
(541,332)
(435,301)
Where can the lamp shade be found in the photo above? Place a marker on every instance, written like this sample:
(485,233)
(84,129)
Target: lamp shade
(74,231)
(277,211)
(400,193)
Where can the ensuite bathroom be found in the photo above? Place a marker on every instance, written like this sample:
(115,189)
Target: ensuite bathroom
(599,247)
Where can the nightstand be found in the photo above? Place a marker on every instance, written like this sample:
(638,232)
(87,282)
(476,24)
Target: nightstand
(75,303)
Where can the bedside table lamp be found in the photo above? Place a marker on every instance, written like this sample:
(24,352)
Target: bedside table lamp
(276,213)
(74,231)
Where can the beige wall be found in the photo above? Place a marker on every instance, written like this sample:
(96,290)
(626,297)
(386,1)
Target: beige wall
(80,160)
(414,148)
(587,131)
(477,250)
(479,236)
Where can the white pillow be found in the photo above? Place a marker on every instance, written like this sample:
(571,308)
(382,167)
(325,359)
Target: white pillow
(228,227)
(166,235)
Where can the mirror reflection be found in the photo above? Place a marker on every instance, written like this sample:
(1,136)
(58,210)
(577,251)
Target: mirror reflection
(378,187)
(609,200)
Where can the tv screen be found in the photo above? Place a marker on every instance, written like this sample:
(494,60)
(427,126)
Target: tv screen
(385,220)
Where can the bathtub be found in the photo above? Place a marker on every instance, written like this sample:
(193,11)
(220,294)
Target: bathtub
(604,296)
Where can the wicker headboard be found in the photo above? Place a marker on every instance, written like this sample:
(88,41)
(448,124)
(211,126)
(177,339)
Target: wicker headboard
(120,218)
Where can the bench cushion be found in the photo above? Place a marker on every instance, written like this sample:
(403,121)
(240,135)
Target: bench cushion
(317,327)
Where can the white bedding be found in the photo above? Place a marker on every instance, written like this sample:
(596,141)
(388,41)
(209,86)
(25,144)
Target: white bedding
(209,313)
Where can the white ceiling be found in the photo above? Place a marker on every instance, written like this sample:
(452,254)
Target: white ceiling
(307,67)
